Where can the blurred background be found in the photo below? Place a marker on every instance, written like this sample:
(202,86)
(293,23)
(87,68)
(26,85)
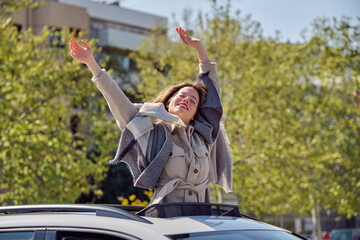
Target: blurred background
(290,84)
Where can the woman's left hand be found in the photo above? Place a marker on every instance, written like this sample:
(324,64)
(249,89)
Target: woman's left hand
(187,40)
(194,42)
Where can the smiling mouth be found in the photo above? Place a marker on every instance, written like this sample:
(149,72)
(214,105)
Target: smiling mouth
(183,105)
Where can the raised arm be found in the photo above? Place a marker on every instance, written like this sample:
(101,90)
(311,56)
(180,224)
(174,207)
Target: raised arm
(120,106)
(204,60)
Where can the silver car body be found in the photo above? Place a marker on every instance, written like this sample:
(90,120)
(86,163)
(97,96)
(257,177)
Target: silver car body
(137,228)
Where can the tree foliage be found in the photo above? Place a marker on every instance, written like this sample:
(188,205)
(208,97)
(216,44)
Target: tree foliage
(290,109)
(7,7)
(56,137)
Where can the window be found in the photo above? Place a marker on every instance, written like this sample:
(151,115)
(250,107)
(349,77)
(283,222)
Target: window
(17,235)
(86,236)
(55,38)
(124,62)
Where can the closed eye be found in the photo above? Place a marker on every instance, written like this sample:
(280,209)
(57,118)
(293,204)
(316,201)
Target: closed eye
(192,98)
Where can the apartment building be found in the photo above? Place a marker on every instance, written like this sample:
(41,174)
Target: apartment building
(115,26)
(119,30)
(53,14)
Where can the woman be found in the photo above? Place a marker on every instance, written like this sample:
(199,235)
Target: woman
(175,144)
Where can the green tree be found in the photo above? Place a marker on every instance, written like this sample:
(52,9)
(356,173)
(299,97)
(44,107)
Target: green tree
(7,7)
(289,109)
(56,136)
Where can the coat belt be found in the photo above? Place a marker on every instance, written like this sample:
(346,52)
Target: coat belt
(177,183)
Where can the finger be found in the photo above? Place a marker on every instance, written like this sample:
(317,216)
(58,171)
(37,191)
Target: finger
(185,34)
(185,37)
(181,38)
(76,46)
(72,45)
(85,44)
(183,31)
(73,50)
(73,54)
(181,34)
(178,32)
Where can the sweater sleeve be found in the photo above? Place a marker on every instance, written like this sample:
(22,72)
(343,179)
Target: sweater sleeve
(207,120)
(220,154)
(211,66)
(120,106)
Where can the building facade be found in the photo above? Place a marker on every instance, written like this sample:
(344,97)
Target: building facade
(115,26)
(52,14)
(119,30)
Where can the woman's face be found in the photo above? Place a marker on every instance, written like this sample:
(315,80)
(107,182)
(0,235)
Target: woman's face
(184,104)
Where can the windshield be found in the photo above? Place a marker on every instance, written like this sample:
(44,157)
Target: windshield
(234,235)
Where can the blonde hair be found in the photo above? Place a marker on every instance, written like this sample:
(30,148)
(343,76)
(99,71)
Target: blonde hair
(167,94)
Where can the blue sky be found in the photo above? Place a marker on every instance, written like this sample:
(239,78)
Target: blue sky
(290,17)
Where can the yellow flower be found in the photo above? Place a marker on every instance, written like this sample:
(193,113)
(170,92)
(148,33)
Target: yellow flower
(125,202)
(132,197)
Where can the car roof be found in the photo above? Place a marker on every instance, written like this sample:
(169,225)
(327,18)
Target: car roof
(207,223)
(78,221)
(157,226)
(105,218)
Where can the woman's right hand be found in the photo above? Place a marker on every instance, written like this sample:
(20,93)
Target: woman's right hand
(80,53)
